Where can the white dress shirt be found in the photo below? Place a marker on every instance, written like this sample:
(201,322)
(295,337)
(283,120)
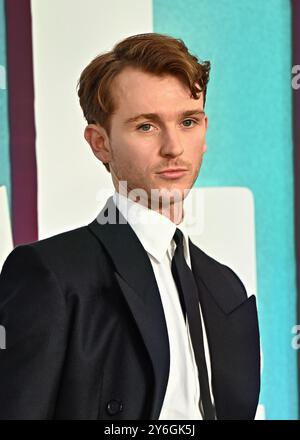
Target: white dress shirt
(155,232)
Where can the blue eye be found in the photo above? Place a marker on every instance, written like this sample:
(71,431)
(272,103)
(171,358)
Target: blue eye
(189,122)
(145,127)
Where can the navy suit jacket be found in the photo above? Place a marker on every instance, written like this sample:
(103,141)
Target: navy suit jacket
(86,336)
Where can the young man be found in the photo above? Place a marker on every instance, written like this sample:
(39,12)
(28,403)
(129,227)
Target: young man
(126,318)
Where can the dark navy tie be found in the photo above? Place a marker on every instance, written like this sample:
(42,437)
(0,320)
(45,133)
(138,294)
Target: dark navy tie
(189,299)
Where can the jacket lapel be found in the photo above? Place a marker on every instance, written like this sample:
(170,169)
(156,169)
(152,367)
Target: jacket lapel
(135,276)
(232,330)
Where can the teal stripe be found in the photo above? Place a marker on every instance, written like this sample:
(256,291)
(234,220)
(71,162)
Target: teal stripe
(4,127)
(250,144)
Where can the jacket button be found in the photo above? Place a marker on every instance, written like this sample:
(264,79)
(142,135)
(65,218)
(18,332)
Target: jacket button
(113,407)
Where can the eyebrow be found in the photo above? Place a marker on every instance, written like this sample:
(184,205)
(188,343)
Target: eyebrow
(155,116)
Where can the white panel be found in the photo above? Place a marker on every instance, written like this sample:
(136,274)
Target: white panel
(223,225)
(67,35)
(6,243)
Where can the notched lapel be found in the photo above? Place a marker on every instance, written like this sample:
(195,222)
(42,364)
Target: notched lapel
(231,324)
(136,279)
(235,353)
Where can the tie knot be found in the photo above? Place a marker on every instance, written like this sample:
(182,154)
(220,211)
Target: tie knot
(178,237)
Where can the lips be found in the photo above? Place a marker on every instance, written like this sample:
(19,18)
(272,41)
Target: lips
(171,170)
(172,173)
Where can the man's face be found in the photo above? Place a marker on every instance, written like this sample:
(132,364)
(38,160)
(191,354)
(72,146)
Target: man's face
(157,126)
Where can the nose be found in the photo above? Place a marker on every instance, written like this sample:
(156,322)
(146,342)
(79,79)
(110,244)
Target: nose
(171,144)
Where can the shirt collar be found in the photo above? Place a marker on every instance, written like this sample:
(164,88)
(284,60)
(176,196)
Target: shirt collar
(154,230)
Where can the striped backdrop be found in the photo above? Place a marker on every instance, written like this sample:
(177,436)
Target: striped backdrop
(52,181)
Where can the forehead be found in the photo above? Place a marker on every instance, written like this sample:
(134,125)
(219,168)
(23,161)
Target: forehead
(135,90)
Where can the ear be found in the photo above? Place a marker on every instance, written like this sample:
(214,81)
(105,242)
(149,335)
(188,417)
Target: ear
(206,127)
(206,122)
(98,139)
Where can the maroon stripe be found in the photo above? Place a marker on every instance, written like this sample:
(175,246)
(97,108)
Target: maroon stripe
(21,117)
(296,133)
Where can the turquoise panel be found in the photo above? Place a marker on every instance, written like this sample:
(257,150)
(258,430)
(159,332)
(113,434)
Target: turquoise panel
(249,139)
(4,127)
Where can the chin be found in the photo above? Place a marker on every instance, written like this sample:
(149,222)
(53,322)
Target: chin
(172,194)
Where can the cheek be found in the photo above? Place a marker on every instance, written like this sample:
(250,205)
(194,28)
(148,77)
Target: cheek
(131,157)
(196,148)
(137,153)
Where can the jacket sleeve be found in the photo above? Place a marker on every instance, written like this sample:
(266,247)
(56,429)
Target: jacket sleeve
(33,317)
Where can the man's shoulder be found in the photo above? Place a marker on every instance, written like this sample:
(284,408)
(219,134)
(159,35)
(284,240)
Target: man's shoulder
(67,254)
(64,245)
(68,241)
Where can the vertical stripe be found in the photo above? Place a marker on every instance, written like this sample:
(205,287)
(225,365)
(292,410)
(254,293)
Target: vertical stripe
(21,116)
(67,35)
(296,127)
(4,128)
(249,140)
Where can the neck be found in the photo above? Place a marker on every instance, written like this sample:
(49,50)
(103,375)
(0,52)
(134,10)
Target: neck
(172,209)
(174,212)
